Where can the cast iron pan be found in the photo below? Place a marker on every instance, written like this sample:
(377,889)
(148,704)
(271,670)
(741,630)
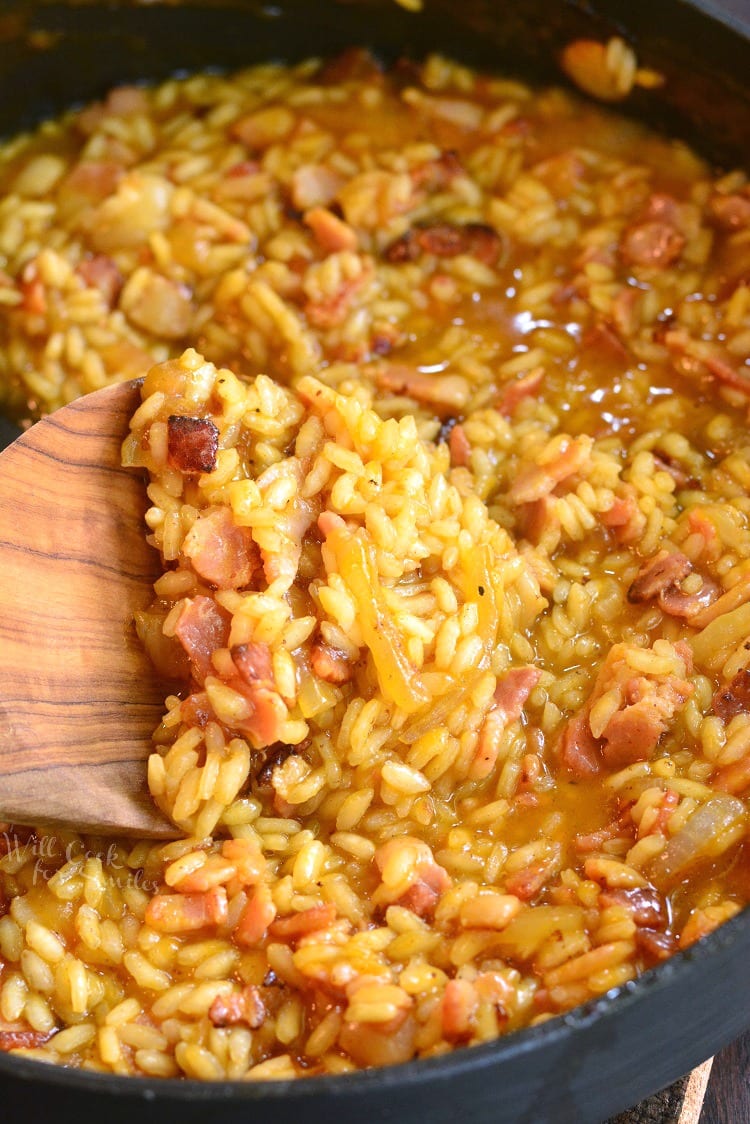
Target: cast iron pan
(598,1059)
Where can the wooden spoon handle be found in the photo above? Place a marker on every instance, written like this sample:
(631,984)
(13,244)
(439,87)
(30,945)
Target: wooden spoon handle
(79,699)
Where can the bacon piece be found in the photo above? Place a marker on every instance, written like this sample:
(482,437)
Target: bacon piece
(579,749)
(734,778)
(655,244)
(331,233)
(100,272)
(459,1010)
(659,579)
(424,893)
(447,240)
(355,63)
(185,913)
(527,883)
(255,918)
(439,391)
(513,393)
(90,182)
(330,663)
(511,692)
(632,732)
(202,627)
(196,710)
(646,905)
(253,662)
(192,444)
(621,828)
(23,1039)
(307,921)
(536,481)
(434,175)
(654,945)
(241,1008)
(220,552)
(459,446)
(731,212)
(734,698)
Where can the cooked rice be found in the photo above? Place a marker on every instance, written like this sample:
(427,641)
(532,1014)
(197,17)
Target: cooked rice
(445,424)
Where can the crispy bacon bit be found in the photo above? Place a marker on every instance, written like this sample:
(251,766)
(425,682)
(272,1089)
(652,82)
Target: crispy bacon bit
(196,710)
(659,579)
(352,64)
(579,749)
(536,481)
(192,443)
(331,233)
(405,248)
(100,272)
(734,698)
(447,240)
(255,918)
(655,244)
(654,945)
(647,705)
(203,626)
(440,391)
(222,553)
(434,175)
(731,212)
(459,1010)
(300,924)
(241,1008)
(527,883)
(513,393)
(661,572)
(23,1039)
(424,893)
(511,692)
(253,662)
(90,182)
(513,689)
(330,663)
(185,913)
(459,446)
(646,905)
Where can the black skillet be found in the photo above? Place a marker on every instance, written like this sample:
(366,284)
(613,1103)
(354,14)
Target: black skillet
(598,1059)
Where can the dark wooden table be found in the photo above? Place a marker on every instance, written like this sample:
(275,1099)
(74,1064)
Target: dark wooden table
(728,1094)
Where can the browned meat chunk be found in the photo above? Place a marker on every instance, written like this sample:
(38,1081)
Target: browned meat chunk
(192,443)
(656,244)
(733,699)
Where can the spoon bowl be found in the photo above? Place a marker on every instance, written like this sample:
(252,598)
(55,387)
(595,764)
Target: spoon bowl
(79,698)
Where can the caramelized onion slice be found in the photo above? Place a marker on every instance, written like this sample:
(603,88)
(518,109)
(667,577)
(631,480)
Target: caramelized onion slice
(711,830)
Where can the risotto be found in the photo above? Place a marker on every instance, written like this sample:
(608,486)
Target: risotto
(445,424)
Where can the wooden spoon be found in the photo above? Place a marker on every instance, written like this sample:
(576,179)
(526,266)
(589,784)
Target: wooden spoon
(79,698)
